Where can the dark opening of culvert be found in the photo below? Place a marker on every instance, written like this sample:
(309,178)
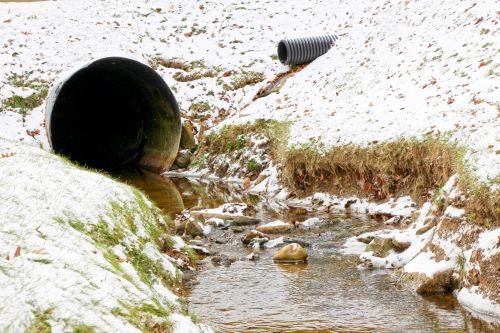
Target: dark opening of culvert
(112,113)
(282,52)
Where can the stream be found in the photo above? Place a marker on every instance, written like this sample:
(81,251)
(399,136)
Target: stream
(328,294)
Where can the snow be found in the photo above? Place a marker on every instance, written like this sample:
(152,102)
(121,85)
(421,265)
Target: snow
(311,222)
(418,258)
(488,242)
(277,223)
(479,305)
(49,39)
(227,211)
(425,263)
(274,242)
(48,211)
(452,211)
(353,247)
(183,324)
(399,72)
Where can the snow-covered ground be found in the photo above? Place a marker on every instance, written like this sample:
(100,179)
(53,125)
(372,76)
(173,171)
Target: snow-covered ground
(45,40)
(70,240)
(399,69)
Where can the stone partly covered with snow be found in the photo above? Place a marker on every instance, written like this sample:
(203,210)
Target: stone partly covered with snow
(81,250)
(442,252)
(274,227)
(230,211)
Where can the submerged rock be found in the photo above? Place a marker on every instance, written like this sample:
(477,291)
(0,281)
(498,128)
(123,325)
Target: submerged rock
(275,227)
(237,229)
(223,259)
(380,247)
(291,253)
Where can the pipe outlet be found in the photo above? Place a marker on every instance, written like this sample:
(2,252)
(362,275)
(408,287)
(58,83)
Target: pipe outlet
(114,112)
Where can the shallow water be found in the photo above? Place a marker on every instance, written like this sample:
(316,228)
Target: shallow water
(328,294)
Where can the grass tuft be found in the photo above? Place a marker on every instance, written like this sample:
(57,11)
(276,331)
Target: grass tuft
(25,104)
(40,323)
(147,317)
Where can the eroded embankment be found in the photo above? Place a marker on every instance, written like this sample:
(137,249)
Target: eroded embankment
(82,252)
(455,207)
(415,167)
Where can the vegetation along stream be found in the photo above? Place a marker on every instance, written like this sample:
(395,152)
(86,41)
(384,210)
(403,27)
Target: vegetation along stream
(328,294)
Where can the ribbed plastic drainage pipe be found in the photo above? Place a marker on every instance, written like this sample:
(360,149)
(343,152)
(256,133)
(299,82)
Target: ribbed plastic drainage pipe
(114,112)
(303,50)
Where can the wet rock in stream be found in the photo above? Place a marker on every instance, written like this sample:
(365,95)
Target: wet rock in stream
(291,253)
(257,242)
(223,260)
(380,247)
(190,228)
(252,256)
(237,229)
(251,235)
(301,242)
(244,222)
(183,158)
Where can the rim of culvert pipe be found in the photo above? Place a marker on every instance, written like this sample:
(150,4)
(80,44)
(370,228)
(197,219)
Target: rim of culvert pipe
(283,51)
(157,154)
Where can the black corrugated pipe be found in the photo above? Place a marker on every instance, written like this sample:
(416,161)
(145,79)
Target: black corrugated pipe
(114,112)
(298,51)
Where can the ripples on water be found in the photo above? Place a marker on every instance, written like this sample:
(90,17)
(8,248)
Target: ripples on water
(328,294)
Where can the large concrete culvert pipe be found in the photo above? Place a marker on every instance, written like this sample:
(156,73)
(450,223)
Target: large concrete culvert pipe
(114,112)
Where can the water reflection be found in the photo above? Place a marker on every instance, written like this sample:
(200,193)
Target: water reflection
(288,268)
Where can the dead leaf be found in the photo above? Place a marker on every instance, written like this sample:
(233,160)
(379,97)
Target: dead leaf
(17,253)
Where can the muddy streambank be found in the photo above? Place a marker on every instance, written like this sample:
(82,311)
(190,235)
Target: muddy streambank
(331,292)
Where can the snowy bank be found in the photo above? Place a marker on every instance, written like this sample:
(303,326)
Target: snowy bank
(441,251)
(80,250)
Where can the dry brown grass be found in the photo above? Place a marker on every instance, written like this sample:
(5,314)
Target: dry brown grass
(403,167)
(482,205)
(394,168)
(188,77)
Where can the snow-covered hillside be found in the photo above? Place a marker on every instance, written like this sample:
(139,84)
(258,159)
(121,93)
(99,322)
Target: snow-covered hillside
(402,69)
(399,69)
(80,250)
